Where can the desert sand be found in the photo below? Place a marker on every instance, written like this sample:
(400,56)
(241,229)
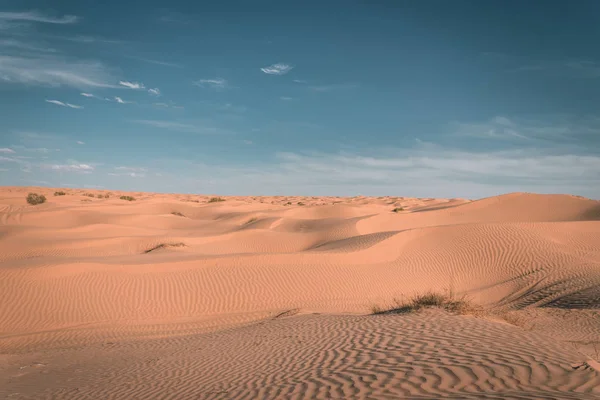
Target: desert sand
(175,297)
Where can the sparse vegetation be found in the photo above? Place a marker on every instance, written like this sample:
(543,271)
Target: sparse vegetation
(35,199)
(60,193)
(445,301)
(178,214)
(106,196)
(301,203)
(128,198)
(251,220)
(89,195)
(398,209)
(164,245)
(100,196)
(216,199)
(289,203)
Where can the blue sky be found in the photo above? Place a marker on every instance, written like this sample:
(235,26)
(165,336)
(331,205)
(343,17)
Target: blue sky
(428,98)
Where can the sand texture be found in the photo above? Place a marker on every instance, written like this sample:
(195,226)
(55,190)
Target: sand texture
(175,297)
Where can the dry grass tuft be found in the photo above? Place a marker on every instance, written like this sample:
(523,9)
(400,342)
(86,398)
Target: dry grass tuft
(35,199)
(128,198)
(216,200)
(445,301)
(89,195)
(60,193)
(164,246)
(178,214)
(398,209)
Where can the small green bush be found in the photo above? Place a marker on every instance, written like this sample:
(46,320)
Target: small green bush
(35,199)
(216,200)
(61,193)
(128,198)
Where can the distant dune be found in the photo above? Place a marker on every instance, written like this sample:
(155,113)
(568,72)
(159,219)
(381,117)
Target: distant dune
(175,296)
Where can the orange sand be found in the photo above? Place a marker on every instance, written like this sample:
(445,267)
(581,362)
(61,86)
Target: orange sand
(264,299)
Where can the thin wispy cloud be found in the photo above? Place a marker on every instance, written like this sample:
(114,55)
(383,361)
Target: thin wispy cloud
(132,85)
(549,129)
(133,172)
(60,103)
(333,87)
(277,69)
(156,62)
(46,70)
(80,142)
(217,83)
(285,98)
(79,168)
(155,91)
(16,44)
(36,16)
(6,150)
(87,95)
(178,126)
(42,150)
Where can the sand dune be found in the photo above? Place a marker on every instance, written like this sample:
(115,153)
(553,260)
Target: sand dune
(172,296)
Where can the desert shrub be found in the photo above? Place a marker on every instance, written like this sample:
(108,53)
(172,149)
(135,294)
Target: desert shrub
(300,203)
(398,209)
(106,196)
(216,199)
(61,193)
(89,195)
(445,301)
(178,214)
(128,198)
(34,198)
(289,203)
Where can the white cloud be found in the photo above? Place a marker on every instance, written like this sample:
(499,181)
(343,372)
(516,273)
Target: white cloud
(80,168)
(35,16)
(218,83)
(87,95)
(277,69)
(155,91)
(44,70)
(80,142)
(6,150)
(132,85)
(285,98)
(121,101)
(60,103)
